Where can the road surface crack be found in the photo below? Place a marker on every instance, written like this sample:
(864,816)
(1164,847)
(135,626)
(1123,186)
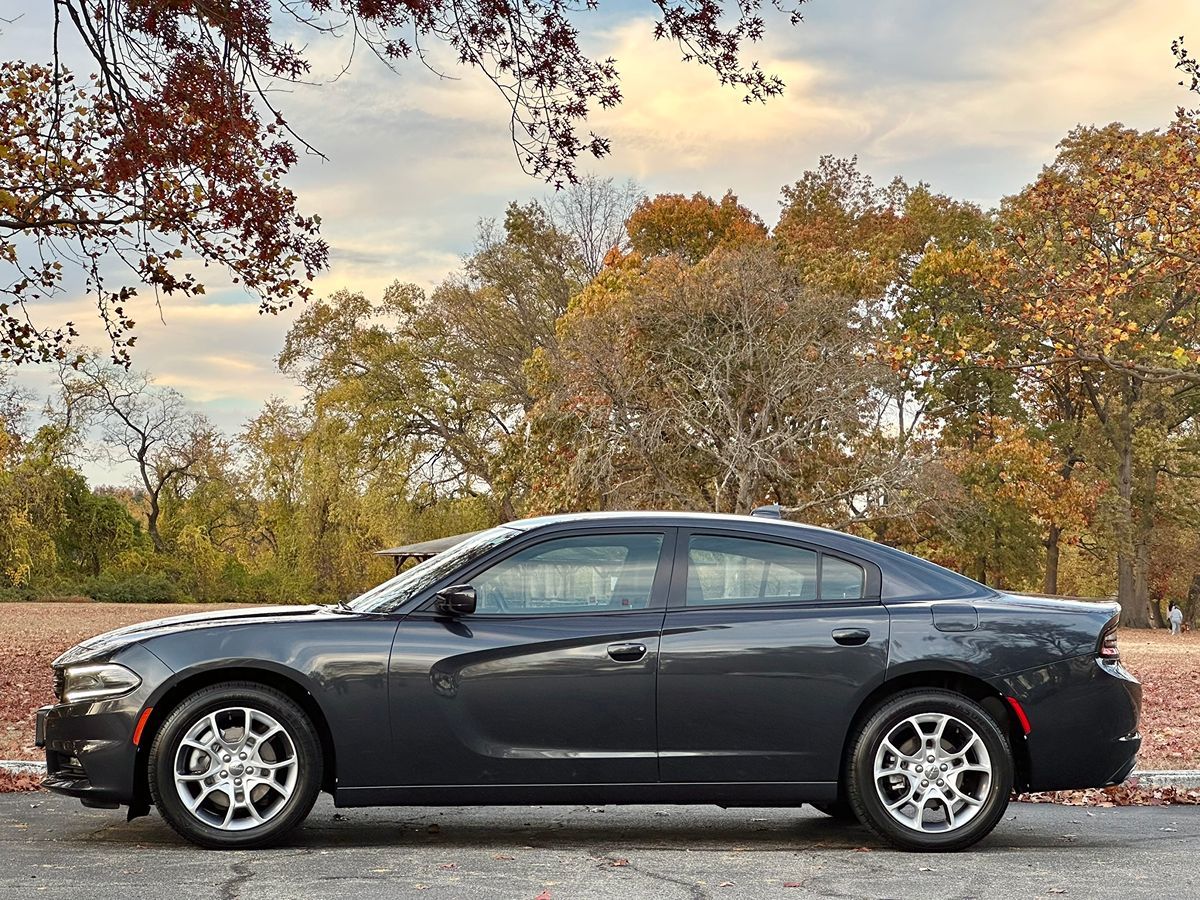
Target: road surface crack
(233,884)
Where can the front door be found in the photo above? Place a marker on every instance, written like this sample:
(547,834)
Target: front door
(768,649)
(551,681)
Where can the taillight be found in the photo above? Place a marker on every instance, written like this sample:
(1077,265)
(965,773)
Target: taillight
(1108,646)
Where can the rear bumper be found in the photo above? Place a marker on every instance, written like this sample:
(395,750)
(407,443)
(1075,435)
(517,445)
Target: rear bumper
(1083,715)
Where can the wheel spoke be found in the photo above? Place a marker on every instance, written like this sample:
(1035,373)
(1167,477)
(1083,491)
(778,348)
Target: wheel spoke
(267,735)
(253,811)
(907,798)
(940,732)
(205,794)
(918,818)
(217,733)
(896,751)
(961,753)
(229,811)
(261,764)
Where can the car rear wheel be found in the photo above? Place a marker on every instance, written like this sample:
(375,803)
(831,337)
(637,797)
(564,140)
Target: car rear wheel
(930,770)
(235,765)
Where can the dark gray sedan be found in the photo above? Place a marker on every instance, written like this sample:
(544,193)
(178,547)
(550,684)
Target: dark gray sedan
(608,658)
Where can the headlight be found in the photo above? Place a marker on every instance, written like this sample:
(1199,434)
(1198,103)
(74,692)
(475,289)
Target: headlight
(99,680)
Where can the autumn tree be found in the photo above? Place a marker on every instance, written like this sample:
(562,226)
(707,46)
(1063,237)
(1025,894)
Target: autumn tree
(720,386)
(939,319)
(1093,282)
(434,386)
(142,424)
(847,235)
(171,154)
(691,227)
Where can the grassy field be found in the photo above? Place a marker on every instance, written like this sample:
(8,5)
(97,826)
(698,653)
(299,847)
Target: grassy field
(32,634)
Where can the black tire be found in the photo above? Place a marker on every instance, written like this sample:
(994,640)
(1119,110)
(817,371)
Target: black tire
(993,794)
(839,810)
(284,813)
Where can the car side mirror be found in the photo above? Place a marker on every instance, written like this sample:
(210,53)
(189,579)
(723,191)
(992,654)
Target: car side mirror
(456,600)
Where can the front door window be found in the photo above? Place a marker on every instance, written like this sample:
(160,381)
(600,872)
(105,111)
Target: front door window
(589,574)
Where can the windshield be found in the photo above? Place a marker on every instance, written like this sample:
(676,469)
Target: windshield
(395,591)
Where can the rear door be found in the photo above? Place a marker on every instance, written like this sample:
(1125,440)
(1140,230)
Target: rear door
(552,680)
(768,648)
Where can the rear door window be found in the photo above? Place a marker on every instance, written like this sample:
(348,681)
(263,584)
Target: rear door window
(733,571)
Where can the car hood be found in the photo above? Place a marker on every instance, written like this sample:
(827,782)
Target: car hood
(111,641)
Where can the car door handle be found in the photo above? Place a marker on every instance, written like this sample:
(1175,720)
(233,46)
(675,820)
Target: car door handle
(851,637)
(626,652)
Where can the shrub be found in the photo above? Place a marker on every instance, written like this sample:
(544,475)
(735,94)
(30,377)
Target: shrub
(21,593)
(150,587)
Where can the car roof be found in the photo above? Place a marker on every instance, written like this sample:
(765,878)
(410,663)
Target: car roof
(666,517)
(903,576)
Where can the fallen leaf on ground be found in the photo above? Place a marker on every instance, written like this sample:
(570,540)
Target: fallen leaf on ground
(1127,794)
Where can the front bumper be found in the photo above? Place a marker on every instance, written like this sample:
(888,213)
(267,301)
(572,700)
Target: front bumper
(1083,716)
(89,746)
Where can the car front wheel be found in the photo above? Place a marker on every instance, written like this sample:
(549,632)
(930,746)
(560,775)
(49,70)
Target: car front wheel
(235,765)
(930,770)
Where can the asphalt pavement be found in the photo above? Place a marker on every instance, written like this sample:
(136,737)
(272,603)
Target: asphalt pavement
(52,847)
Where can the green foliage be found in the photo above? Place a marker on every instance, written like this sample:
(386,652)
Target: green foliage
(151,587)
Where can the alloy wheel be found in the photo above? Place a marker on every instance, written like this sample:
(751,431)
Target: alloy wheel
(932,773)
(236,768)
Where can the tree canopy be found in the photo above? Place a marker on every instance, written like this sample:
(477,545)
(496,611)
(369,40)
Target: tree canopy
(1014,393)
(172,153)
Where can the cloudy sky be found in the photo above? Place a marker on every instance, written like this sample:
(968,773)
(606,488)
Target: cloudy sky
(968,96)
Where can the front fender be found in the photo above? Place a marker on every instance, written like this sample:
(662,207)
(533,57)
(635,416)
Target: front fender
(341,663)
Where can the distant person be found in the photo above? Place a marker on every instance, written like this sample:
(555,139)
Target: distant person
(1175,617)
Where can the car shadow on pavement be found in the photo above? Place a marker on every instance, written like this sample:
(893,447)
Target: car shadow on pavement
(605,829)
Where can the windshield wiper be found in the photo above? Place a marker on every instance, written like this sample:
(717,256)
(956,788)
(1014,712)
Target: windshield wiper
(344,606)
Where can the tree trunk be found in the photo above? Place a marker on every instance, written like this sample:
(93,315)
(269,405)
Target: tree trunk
(1193,600)
(152,526)
(1050,582)
(1141,574)
(1147,506)
(1135,610)
(1132,615)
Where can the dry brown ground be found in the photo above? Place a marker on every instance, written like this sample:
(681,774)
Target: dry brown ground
(32,634)
(1169,669)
